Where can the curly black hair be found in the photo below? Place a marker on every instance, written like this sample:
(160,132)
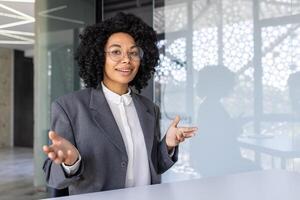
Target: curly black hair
(90,53)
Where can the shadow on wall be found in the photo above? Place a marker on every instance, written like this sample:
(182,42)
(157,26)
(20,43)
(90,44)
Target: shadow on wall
(215,151)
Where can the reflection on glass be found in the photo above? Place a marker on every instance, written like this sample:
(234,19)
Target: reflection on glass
(228,70)
(278,61)
(278,8)
(215,151)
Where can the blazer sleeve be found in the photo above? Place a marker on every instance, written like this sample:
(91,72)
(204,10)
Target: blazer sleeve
(55,174)
(165,161)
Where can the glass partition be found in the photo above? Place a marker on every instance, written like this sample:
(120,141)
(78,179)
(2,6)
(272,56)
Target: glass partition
(231,68)
(58,24)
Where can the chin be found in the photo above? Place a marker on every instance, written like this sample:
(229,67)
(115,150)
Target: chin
(125,81)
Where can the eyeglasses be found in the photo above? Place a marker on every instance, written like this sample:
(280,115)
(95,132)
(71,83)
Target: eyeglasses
(117,54)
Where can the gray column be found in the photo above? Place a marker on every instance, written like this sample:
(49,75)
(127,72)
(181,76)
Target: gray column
(6,100)
(41,95)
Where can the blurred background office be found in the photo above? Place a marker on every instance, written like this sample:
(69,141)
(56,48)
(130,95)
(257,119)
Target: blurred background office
(230,67)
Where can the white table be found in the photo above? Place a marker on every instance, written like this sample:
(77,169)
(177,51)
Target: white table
(261,185)
(281,146)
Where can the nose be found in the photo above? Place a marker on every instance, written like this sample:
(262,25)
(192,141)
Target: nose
(126,58)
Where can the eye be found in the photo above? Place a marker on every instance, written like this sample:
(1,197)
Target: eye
(116,52)
(134,53)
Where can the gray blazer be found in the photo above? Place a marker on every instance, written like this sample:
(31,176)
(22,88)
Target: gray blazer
(85,119)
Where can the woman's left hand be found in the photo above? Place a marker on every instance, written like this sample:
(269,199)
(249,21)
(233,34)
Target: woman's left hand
(176,135)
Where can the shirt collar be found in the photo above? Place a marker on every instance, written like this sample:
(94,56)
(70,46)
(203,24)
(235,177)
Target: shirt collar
(116,98)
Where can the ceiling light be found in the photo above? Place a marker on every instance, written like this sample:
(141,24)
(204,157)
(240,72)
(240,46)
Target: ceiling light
(21,1)
(53,9)
(12,16)
(45,13)
(15,42)
(17,32)
(16,24)
(16,12)
(17,37)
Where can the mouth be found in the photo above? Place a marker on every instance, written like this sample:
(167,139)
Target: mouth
(124,71)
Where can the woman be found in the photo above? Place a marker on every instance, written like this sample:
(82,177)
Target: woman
(107,136)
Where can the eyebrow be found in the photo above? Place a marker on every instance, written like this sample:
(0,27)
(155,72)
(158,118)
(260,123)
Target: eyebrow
(117,45)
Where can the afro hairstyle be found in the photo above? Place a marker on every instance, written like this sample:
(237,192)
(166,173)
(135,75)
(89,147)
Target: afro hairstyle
(90,54)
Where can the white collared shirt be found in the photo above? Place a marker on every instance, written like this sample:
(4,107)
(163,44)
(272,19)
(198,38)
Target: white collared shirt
(125,114)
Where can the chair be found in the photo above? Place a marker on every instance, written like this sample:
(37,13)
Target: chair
(53,192)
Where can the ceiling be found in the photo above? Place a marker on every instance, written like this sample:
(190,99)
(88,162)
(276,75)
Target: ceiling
(17,21)
(17,24)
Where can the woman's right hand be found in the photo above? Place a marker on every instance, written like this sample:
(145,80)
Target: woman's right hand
(61,150)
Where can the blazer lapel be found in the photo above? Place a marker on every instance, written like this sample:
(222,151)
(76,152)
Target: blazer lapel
(104,118)
(146,121)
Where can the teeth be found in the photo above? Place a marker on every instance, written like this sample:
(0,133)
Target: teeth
(124,70)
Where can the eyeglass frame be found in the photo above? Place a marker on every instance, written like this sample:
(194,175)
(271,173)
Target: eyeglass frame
(141,55)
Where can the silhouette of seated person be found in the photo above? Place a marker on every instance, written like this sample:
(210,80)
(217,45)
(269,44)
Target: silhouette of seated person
(215,151)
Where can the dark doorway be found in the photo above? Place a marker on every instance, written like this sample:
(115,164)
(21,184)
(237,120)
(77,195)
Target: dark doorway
(23,100)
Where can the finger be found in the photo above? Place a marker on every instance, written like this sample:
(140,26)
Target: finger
(189,135)
(179,134)
(52,155)
(69,153)
(60,154)
(46,149)
(49,148)
(58,161)
(189,132)
(185,133)
(53,136)
(188,129)
(175,121)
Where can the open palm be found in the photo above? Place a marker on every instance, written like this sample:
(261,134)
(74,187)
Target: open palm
(176,135)
(61,150)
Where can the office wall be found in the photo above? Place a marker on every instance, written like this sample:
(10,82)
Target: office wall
(6,67)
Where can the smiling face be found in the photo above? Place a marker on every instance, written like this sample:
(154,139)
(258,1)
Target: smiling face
(122,61)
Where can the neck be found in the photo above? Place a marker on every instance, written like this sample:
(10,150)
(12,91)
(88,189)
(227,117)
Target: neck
(119,89)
